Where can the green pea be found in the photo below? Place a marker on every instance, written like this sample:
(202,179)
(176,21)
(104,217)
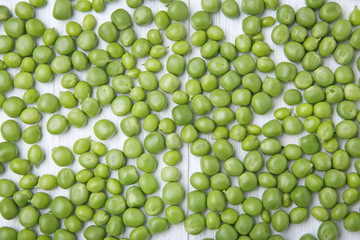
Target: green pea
(280,34)
(114,205)
(28,216)
(94,232)
(344,54)
(83,6)
(339,211)
(298,215)
(285,14)
(28,181)
(128,175)
(280,220)
(41,200)
(306,17)
(8,208)
(350,222)
(133,217)
(243,115)
(260,231)
(151,123)
(248,181)
(328,229)
(194,224)
(73,224)
(22,197)
(5,14)
(154,205)
(267,180)
(331,145)
(328,197)
(148,183)
(276,164)
(321,161)
(47,182)
(135,197)
(212,221)
(196,201)
(113,186)
(162,20)
(32,134)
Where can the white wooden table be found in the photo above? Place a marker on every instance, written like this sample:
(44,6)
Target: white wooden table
(189,163)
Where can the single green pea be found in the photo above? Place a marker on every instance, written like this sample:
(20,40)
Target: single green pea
(31,95)
(8,208)
(5,13)
(298,215)
(285,14)
(121,105)
(65,178)
(128,175)
(251,25)
(328,197)
(328,229)
(47,182)
(162,20)
(41,200)
(248,181)
(314,183)
(28,216)
(230,9)
(306,17)
(194,224)
(201,20)
(153,206)
(280,220)
(113,186)
(344,54)
(148,183)
(339,211)
(28,181)
(276,164)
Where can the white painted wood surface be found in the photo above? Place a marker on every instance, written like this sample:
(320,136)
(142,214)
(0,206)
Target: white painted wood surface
(189,163)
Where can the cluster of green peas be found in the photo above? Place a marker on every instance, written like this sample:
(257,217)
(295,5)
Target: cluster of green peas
(87,197)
